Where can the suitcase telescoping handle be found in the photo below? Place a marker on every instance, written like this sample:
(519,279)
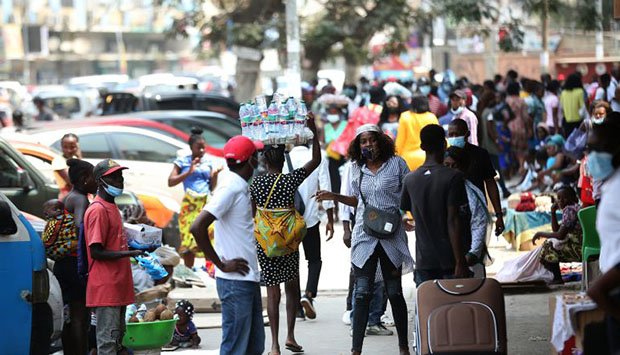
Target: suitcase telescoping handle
(460,286)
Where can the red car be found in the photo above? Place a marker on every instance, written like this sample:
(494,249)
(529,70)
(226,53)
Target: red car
(130,122)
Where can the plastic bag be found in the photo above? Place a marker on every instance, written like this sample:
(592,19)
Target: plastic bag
(142,236)
(525,268)
(167,255)
(152,265)
(576,143)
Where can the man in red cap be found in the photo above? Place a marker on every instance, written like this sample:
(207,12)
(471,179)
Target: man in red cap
(110,284)
(237,275)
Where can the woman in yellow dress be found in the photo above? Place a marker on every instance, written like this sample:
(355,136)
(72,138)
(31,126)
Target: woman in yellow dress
(410,125)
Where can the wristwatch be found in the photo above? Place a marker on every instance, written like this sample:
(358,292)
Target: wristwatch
(499,214)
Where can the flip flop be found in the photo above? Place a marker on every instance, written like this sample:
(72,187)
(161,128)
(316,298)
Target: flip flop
(169,347)
(295,349)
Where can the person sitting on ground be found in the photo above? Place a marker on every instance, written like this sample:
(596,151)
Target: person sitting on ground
(564,243)
(185,333)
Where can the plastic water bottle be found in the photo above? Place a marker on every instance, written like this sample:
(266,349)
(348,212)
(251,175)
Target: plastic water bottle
(244,118)
(300,118)
(291,107)
(261,104)
(257,123)
(272,119)
(282,121)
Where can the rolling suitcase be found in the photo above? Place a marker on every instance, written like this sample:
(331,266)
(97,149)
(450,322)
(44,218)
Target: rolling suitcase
(463,316)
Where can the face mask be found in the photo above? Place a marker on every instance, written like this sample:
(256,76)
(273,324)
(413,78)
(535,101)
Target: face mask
(367,153)
(599,165)
(333,118)
(112,190)
(598,120)
(457,111)
(457,141)
(425,90)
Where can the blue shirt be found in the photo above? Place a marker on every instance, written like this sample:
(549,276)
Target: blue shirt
(200,179)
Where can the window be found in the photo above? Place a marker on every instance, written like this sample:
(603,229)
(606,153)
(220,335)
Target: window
(93,146)
(214,138)
(64,106)
(42,165)
(143,148)
(9,178)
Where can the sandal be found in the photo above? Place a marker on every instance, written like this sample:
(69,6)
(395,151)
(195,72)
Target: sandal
(294,348)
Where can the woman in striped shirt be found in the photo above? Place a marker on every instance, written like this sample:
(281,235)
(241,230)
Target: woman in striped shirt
(376,180)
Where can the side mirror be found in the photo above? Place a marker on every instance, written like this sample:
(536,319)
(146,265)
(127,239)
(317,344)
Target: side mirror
(24,180)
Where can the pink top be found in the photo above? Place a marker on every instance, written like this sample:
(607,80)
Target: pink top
(472,122)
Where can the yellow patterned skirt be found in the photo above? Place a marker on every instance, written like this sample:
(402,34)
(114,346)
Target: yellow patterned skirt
(192,205)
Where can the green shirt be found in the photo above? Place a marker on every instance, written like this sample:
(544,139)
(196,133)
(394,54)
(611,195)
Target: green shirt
(332,133)
(572,101)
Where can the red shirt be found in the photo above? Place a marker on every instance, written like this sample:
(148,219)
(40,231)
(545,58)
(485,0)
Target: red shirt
(110,283)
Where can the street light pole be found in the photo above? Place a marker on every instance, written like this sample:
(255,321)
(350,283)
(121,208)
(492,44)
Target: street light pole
(599,51)
(293,62)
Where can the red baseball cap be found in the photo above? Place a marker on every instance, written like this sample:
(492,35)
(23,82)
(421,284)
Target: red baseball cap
(241,148)
(106,167)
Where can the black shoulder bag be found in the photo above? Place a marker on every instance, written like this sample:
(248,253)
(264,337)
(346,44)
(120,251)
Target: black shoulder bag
(378,223)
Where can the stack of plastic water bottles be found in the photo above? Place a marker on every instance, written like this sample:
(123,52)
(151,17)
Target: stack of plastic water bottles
(283,121)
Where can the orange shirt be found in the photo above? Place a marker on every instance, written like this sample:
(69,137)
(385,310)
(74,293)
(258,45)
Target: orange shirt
(110,283)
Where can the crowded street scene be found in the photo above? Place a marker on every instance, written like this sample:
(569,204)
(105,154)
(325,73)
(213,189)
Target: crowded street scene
(279,177)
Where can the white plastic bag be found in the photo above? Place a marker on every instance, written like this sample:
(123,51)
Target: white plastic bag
(167,255)
(142,236)
(525,268)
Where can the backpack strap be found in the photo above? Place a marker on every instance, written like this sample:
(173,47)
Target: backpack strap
(271,192)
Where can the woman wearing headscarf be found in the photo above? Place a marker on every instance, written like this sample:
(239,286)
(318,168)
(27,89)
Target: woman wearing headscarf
(410,125)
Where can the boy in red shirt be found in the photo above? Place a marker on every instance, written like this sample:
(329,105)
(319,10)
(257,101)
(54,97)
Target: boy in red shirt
(110,285)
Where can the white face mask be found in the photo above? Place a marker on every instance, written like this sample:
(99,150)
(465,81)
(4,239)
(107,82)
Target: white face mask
(333,118)
(457,111)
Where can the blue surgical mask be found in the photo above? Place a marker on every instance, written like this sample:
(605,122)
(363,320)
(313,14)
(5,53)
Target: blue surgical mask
(425,90)
(599,165)
(457,141)
(598,120)
(112,190)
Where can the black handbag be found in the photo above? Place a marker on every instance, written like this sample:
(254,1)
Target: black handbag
(378,223)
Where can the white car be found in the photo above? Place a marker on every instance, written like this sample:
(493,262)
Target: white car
(148,155)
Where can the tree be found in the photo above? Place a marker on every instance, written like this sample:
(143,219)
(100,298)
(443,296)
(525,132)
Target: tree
(351,24)
(243,24)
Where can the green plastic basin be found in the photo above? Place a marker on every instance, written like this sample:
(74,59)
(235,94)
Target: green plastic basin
(149,335)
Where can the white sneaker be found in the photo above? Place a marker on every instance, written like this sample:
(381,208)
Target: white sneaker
(346,317)
(387,320)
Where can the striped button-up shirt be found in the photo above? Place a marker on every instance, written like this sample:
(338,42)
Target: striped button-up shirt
(381,190)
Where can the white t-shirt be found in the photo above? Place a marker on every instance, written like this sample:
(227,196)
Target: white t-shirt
(551,101)
(608,223)
(319,179)
(234,227)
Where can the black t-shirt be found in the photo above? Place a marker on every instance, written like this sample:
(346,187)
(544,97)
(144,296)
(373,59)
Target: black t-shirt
(427,193)
(480,166)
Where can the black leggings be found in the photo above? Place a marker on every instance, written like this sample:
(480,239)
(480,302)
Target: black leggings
(312,250)
(364,281)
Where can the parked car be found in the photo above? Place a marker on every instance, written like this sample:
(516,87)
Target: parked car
(160,206)
(68,104)
(22,183)
(148,155)
(217,128)
(188,100)
(30,297)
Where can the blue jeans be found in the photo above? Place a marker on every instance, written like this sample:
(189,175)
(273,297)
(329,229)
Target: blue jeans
(376,305)
(243,330)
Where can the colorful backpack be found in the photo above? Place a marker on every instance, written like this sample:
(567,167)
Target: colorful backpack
(278,231)
(60,237)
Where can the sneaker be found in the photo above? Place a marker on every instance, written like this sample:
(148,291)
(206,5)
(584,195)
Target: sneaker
(346,317)
(387,320)
(300,315)
(378,329)
(308,307)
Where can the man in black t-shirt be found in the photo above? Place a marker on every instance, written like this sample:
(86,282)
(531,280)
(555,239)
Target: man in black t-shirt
(436,197)
(480,172)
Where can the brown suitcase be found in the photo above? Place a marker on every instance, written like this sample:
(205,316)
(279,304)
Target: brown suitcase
(460,316)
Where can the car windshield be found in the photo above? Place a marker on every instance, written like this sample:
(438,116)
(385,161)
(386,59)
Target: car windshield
(63,105)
